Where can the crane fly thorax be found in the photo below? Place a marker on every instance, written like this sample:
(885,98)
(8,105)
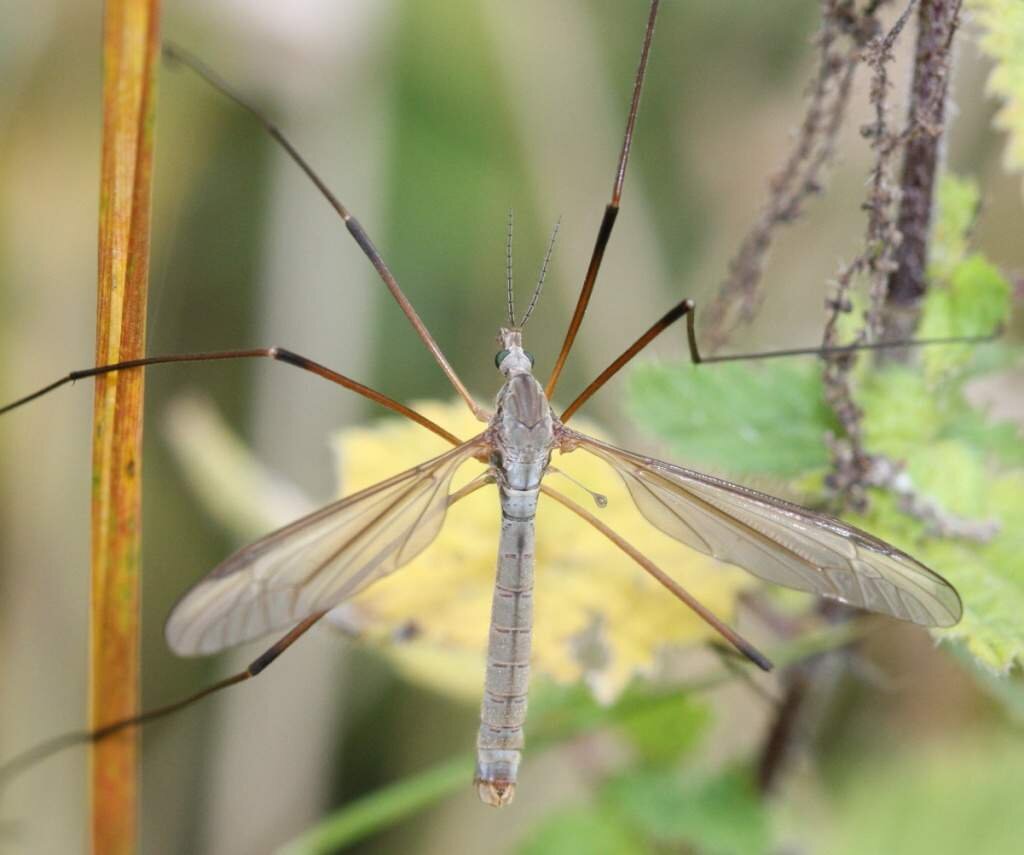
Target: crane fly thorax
(522,431)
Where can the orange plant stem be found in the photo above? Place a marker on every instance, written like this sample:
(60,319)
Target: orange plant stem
(130,56)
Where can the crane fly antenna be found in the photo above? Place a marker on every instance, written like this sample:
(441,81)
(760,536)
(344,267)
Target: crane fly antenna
(543,274)
(611,211)
(508,274)
(176,54)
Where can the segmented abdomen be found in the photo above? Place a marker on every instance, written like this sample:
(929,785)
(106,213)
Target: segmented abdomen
(503,711)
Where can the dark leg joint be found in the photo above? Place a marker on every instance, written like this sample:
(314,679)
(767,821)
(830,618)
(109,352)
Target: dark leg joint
(362,238)
(284,355)
(263,660)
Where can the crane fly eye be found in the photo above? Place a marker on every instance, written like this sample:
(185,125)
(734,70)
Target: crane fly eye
(529,356)
(499,357)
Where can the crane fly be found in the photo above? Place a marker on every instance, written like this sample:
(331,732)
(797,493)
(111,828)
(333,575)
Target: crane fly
(293,577)
(297,574)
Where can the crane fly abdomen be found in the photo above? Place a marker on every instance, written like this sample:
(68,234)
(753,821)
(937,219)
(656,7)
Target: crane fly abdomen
(503,709)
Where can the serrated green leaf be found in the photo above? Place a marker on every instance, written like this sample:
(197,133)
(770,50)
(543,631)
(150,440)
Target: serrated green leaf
(976,302)
(582,831)
(767,419)
(956,203)
(981,295)
(953,474)
(1003,40)
(663,733)
(722,814)
(1005,496)
(990,576)
(1007,690)
(900,411)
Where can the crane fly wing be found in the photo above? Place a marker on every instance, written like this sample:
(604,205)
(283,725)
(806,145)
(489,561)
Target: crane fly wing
(779,541)
(317,562)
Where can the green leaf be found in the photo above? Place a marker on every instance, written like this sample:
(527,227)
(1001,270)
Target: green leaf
(953,474)
(397,801)
(1007,690)
(1002,22)
(721,814)
(582,831)
(566,707)
(990,576)
(956,202)
(382,809)
(767,419)
(900,411)
(964,798)
(661,725)
(976,302)
(981,296)
(663,733)
(1002,441)
(1005,498)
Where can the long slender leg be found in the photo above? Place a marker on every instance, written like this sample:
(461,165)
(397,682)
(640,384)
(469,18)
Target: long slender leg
(689,309)
(734,638)
(176,54)
(697,359)
(277,353)
(29,758)
(663,323)
(733,663)
(611,211)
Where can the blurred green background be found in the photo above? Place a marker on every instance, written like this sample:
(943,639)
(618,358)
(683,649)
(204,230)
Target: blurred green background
(430,120)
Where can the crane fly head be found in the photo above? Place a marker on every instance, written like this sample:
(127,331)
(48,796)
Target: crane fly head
(512,359)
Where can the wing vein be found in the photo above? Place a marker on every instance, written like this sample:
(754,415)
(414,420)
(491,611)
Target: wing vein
(778,540)
(317,562)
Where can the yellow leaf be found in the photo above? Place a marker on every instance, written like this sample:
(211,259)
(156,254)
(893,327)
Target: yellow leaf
(598,616)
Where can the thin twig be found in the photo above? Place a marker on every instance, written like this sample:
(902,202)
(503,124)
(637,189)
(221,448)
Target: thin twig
(850,459)
(894,255)
(839,41)
(937,23)
(879,261)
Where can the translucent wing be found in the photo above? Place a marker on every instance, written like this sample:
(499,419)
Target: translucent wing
(318,561)
(782,542)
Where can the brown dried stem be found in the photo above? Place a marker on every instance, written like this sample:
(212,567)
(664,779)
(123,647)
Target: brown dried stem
(839,41)
(886,258)
(851,461)
(130,57)
(881,261)
(937,22)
